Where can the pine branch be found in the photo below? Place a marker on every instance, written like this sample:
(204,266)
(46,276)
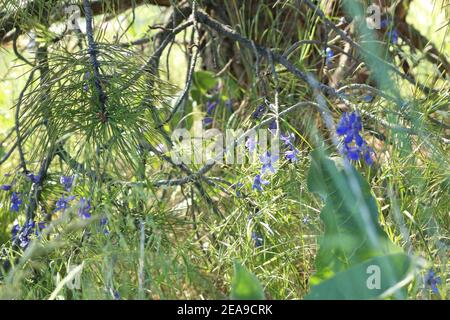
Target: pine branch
(98,7)
(92,51)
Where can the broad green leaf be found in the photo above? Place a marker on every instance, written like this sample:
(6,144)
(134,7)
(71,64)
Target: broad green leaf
(352,234)
(374,278)
(204,80)
(245,285)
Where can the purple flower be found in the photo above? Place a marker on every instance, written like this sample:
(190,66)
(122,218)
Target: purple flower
(15,229)
(103,223)
(291,155)
(287,139)
(210,106)
(84,206)
(258,239)
(267,161)
(207,121)
(259,111)
(251,144)
(6,187)
(273,125)
(15,202)
(367,153)
(368,98)
(393,36)
(329,54)
(116,295)
(25,233)
(34,178)
(67,182)
(432,281)
(258,182)
(22,234)
(237,188)
(63,203)
(349,127)
(352,153)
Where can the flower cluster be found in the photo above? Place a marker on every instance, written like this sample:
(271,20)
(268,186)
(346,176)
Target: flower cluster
(432,281)
(258,182)
(355,147)
(292,152)
(6,187)
(15,202)
(269,160)
(84,207)
(392,34)
(67,182)
(33,177)
(22,234)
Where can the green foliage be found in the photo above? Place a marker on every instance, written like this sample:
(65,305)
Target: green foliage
(353,238)
(183,241)
(245,285)
(355,283)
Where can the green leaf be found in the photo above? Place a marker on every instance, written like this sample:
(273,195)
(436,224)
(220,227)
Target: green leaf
(204,80)
(353,235)
(360,281)
(245,285)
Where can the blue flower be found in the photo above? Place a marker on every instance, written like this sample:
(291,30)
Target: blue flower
(393,36)
(15,229)
(258,239)
(210,106)
(329,54)
(349,127)
(368,98)
(273,125)
(25,233)
(432,281)
(207,121)
(6,187)
(237,188)
(103,223)
(67,182)
(258,182)
(259,111)
(84,206)
(40,226)
(291,155)
(15,202)
(116,295)
(267,161)
(63,203)
(351,152)
(251,144)
(287,139)
(34,178)
(22,234)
